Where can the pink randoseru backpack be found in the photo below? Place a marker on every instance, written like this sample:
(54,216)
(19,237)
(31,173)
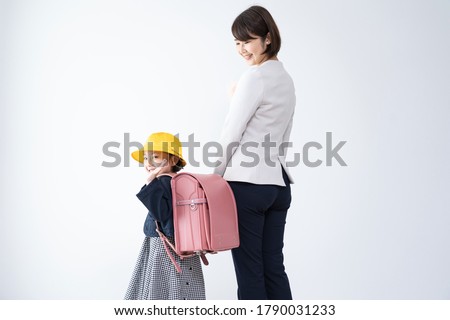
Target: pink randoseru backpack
(204,214)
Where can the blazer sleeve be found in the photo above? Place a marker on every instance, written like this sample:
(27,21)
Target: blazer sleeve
(244,103)
(157,200)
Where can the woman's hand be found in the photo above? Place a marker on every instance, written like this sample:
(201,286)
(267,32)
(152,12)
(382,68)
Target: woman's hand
(231,89)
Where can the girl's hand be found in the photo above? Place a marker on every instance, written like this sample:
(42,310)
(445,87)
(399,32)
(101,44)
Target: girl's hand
(154,171)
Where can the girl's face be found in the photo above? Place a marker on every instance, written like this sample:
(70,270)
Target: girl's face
(252,50)
(155,159)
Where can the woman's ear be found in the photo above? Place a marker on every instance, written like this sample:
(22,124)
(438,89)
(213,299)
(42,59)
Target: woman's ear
(268,38)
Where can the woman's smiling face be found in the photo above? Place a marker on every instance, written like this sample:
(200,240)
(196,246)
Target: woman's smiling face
(252,50)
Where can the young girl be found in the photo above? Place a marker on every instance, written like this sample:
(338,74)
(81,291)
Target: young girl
(154,276)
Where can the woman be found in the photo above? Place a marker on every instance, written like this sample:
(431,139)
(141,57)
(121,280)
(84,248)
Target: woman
(255,137)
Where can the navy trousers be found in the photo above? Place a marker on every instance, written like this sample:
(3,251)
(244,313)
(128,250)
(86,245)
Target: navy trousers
(258,261)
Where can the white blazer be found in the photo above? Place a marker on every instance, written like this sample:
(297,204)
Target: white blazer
(262,107)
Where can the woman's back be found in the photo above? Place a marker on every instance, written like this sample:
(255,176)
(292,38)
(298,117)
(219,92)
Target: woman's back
(260,119)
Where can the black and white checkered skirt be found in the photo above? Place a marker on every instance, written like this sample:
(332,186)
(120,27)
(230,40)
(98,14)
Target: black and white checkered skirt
(155,277)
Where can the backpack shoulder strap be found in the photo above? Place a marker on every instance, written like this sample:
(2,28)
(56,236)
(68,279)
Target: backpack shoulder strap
(166,242)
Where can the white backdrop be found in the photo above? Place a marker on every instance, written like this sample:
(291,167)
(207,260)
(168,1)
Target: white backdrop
(75,76)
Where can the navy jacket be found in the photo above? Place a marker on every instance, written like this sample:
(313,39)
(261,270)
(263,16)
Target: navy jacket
(157,198)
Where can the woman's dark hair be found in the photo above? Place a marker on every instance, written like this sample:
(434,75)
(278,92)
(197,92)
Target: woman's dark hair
(257,21)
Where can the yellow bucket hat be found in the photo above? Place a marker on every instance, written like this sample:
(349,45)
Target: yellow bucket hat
(160,141)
